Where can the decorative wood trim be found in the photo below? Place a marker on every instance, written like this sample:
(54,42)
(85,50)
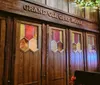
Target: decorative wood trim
(97,48)
(84,50)
(44,54)
(51,55)
(8,51)
(44,13)
(55,9)
(17,50)
(67,54)
(70,47)
(2,47)
(48,38)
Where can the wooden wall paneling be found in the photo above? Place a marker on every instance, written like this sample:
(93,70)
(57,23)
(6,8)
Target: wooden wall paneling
(44,54)
(8,51)
(87,13)
(72,7)
(76,52)
(56,61)
(64,59)
(76,9)
(92,52)
(69,48)
(60,4)
(27,69)
(99,41)
(48,53)
(43,1)
(98,53)
(67,39)
(13,51)
(65,5)
(82,12)
(2,46)
(16,52)
(47,13)
(97,48)
(52,3)
(91,14)
(85,50)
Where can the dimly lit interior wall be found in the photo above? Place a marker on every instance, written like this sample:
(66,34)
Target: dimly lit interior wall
(69,6)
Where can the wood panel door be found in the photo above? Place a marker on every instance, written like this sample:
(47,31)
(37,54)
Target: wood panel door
(27,69)
(92,56)
(2,45)
(56,57)
(76,52)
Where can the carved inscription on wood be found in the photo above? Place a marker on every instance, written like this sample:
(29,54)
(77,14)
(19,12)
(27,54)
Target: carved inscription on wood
(51,14)
(47,14)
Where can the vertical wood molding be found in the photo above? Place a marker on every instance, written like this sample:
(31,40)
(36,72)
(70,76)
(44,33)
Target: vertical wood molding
(2,46)
(98,52)
(85,50)
(8,51)
(44,54)
(67,54)
(13,51)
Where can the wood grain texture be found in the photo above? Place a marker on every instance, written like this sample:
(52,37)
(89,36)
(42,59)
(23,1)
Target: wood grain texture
(92,53)
(27,69)
(8,51)
(17,8)
(56,63)
(44,54)
(2,45)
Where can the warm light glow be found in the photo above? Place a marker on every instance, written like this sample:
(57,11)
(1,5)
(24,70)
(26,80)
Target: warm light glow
(83,3)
